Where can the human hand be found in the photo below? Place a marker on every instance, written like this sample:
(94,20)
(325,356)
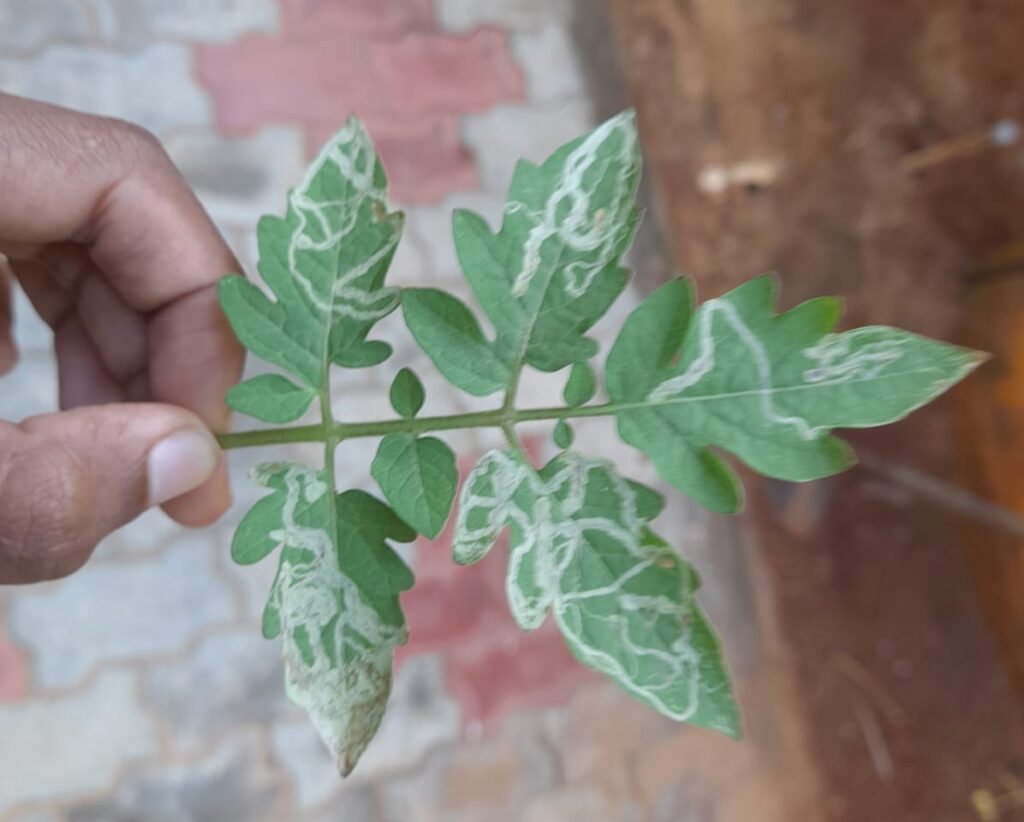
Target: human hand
(119,258)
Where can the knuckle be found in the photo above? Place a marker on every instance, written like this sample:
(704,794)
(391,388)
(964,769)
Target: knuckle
(132,143)
(45,511)
(138,136)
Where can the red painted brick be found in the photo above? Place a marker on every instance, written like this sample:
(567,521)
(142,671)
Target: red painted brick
(384,60)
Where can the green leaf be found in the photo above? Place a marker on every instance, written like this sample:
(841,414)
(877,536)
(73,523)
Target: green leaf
(580,547)
(362,355)
(419,478)
(365,525)
(448,332)
(649,340)
(685,385)
(582,385)
(271,398)
(407,394)
(334,601)
(554,268)
(647,344)
(255,538)
(260,326)
(486,494)
(767,387)
(649,503)
(325,264)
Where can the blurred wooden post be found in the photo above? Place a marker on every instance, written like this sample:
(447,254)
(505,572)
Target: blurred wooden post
(778,134)
(991,408)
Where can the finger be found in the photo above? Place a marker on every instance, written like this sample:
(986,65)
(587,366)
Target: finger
(51,301)
(193,356)
(205,504)
(111,187)
(62,282)
(183,371)
(69,479)
(8,350)
(108,185)
(194,360)
(82,378)
(117,331)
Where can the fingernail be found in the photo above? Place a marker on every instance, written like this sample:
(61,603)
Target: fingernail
(183,461)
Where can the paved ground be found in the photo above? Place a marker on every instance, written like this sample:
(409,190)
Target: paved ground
(140,688)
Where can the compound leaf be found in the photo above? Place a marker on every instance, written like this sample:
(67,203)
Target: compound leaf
(685,383)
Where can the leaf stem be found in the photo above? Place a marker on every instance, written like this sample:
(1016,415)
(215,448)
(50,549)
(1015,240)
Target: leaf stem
(339,431)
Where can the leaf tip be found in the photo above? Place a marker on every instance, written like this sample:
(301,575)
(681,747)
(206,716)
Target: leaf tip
(734,729)
(976,359)
(346,764)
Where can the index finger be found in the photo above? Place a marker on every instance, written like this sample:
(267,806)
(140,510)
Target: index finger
(111,187)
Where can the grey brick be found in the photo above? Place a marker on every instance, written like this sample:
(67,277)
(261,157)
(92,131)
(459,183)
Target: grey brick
(190,20)
(463,15)
(229,680)
(232,783)
(64,747)
(114,84)
(420,717)
(112,612)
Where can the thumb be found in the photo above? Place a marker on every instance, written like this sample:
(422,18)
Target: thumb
(69,479)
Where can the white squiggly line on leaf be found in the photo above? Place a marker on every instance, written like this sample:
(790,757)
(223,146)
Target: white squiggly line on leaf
(835,361)
(352,153)
(578,228)
(310,595)
(827,353)
(551,534)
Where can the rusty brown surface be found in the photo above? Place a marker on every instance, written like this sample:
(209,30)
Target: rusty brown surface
(844,146)
(991,409)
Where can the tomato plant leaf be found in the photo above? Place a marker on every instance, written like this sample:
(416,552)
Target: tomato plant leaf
(447,331)
(563,435)
(334,600)
(581,549)
(764,386)
(419,478)
(325,264)
(687,384)
(554,268)
(271,398)
(582,385)
(407,394)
